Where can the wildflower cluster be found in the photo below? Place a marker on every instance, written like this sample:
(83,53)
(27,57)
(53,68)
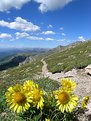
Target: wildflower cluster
(21,98)
(66,100)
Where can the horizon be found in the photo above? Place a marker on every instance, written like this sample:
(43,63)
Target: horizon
(47,24)
(42,47)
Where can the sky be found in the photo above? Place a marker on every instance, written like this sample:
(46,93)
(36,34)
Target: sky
(44,23)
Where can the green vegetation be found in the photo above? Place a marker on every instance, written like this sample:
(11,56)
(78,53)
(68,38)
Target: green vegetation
(21,72)
(61,59)
(6,115)
(19,75)
(50,110)
(78,56)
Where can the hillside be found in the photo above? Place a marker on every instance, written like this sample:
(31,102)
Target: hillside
(72,56)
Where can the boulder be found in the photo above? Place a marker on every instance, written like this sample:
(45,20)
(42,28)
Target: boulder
(88,69)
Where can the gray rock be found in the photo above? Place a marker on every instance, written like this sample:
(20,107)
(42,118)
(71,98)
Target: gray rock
(88,69)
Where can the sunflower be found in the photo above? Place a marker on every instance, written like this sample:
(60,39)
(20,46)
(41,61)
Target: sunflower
(68,83)
(85,102)
(37,98)
(17,99)
(65,100)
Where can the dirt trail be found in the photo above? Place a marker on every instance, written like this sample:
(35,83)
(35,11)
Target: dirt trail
(56,76)
(44,68)
(83,80)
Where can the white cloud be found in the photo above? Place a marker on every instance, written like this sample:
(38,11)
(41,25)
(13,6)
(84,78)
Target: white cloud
(35,38)
(48,32)
(21,35)
(50,5)
(61,28)
(49,39)
(50,26)
(45,5)
(6,5)
(63,34)
(5,36)
(81,38)
(20,24)
(27,36)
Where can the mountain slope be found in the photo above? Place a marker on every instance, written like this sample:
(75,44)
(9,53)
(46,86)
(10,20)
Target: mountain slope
(77,55)
(73,56)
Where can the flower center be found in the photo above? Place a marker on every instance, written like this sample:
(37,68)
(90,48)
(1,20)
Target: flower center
(36,95)
(19,98)
(63,97)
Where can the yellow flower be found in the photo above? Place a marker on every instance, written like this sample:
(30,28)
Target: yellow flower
(29,85)
(17,99)
(68,83)
(65,100)
(85,102)
(36,93)
(47,119)
(37,98)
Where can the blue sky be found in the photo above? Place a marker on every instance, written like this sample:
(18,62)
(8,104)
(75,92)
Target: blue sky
(44,24)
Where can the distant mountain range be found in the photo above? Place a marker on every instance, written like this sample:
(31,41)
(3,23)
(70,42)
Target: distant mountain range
(12,57)
(13,51)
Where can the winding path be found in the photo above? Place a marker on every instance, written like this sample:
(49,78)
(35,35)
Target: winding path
(83,80)
(56,76)
(44,68)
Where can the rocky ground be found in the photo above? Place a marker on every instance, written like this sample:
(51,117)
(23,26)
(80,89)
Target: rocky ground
(83,79)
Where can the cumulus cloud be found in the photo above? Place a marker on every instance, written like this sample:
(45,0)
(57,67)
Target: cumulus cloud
(5,36)
(35,38)
(48,32)
(25,35)
(63,34)
(50,26)
(6,5)
(49,39)
(45,5)
(21,35)
(50,5)
(39,38)
(20,24)
(81,38)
